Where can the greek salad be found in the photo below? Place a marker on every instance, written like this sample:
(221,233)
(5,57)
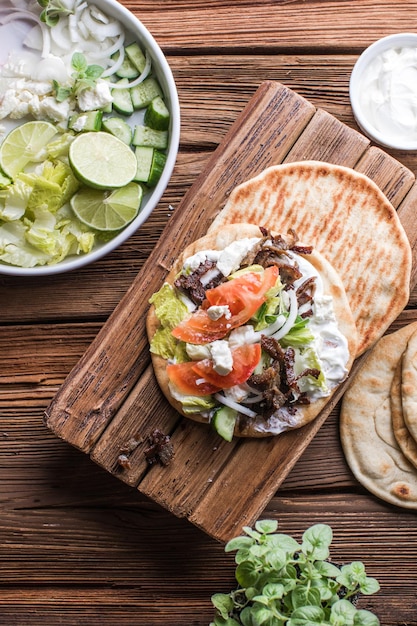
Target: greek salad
(70,69)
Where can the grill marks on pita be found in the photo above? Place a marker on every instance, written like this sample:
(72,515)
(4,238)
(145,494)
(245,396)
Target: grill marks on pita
(347,218)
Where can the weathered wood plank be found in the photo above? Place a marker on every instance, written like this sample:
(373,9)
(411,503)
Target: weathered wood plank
(79,546)
(328,139)
(107,560)
(273,25)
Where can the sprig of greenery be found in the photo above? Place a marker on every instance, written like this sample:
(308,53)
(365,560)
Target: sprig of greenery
(52,11)
(84,77)
(284,583)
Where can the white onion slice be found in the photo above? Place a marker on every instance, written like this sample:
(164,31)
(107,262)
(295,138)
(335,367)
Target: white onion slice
(98,29)
(234,405)
(107,52)
(27,15)
(60,35)
(112,69)
(34,39)
(139,79)
(253,399)
(273,328)
(292,315)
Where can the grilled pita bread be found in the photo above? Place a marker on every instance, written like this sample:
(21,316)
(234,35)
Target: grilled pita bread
(404,439)
(409,386)
(366,429)
(258,427)
(346,217)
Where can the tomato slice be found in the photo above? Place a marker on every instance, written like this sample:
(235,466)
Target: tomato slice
(245,359)
(189,382)
(198,378)
(243,295)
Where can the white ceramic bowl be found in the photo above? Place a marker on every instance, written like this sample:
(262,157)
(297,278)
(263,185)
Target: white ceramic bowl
(163,72)
(391,42)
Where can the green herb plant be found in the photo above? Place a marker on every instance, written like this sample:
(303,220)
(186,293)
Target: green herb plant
(52,11)
(84,77)
(284,583)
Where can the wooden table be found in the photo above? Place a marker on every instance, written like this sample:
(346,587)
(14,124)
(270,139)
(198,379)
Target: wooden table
(79,546)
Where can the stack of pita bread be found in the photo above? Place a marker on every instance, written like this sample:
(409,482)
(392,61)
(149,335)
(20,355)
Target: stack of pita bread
(378,421)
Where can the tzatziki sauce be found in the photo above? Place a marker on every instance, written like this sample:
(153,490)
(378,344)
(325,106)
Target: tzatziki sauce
(388,93)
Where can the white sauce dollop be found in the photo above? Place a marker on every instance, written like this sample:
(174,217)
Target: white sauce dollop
(331,345)
(227,260)
(388,94)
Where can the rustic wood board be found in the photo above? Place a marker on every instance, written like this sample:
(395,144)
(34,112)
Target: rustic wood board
(110,401)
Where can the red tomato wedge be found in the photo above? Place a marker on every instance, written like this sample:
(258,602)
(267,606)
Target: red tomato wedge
(189,382)
(198,378)
(245,359)
(243,295)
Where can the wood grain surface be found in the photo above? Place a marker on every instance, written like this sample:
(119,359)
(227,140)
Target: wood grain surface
(78,545)
(202,483)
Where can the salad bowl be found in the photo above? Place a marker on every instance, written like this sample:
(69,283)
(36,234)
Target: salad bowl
(16,22)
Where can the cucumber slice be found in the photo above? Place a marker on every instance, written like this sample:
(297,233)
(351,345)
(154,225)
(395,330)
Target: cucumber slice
(145,136)
(143,94)
(127,69)
(144,157)
(85,122)
(158,163)
(136,56)
(224,421)
(119,128)
(157,114)
(122,101)
(151,163)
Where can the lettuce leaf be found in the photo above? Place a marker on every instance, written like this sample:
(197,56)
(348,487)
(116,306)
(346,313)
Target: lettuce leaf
(299,335)
(170,311)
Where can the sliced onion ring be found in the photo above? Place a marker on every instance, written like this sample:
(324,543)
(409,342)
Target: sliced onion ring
(234,405)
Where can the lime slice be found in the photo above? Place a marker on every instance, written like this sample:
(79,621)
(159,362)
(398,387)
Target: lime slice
(107,210)
(102,161)
(25,144)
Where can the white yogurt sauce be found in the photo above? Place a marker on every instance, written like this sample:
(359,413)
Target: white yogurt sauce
(330,344)
(227,260)
(388,93)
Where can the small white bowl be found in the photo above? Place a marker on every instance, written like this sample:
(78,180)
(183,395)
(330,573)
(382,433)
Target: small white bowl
(161,69)
(391,42)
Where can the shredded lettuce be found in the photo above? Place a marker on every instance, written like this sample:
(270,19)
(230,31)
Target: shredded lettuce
(299,335)
(44,238)
(308,358)
(194,404)
(267,313)
(170,311)
(271,308)
(37,225)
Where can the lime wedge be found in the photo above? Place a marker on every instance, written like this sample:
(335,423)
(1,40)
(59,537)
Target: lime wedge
(107,210)
(101,160)
(25,144)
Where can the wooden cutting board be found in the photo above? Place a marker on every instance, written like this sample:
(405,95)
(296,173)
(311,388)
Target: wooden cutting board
(110,402)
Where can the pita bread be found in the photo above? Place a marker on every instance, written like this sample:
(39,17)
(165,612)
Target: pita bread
(346,217)
(366,430)
(409,386)
(259,427)
(401,433)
